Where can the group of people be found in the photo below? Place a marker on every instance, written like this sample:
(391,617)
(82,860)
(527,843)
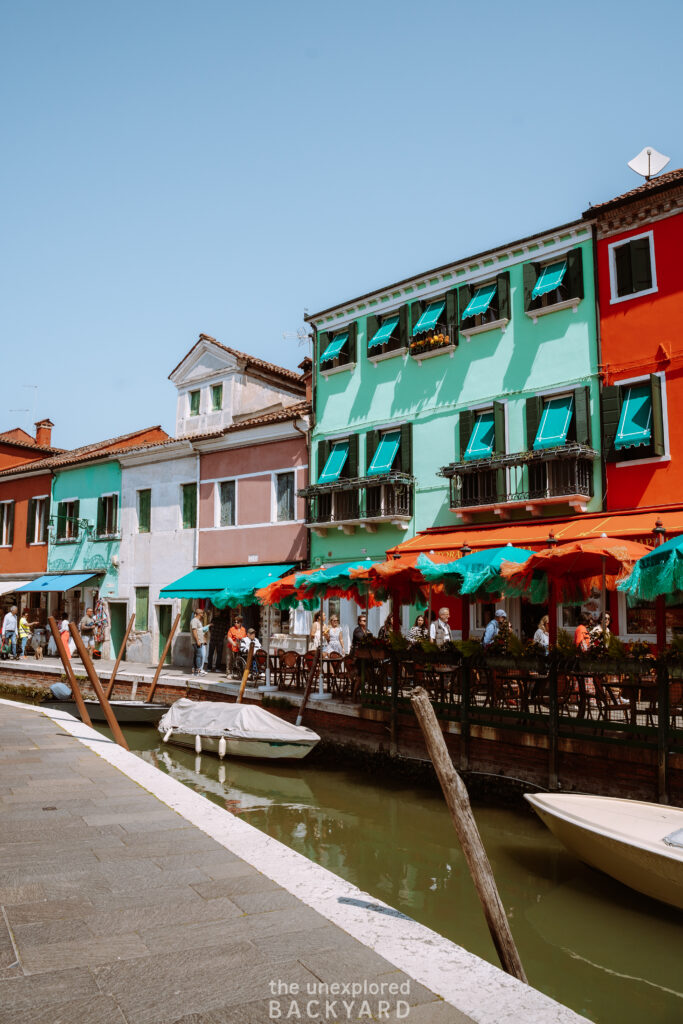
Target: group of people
(18,630)
(209,640)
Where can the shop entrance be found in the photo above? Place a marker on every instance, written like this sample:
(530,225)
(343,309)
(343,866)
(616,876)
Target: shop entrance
(117,619)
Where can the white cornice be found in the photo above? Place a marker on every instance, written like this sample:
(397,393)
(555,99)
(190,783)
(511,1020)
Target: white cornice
(264,434)
(182,449)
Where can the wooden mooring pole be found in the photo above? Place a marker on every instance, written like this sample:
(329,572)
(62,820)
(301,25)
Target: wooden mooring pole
(245,674)
(97,686)
(122,650)
(162,659)
(458,803)
(309,683)
(70,674)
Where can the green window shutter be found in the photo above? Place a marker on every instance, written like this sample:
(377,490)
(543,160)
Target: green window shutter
(406,448)
(499,425)
(466,426)
(611,411)
(141,609)
(46,522)
(77,516)
(10,523)
(464,296)
(185,614)
(30,521)
(144,510)
(371,327)
(415,314)
(61,521)
(503,296)
(323,342)
(452,315)
(100,517)
(531,272)
(371,442)
(534,411)
(582,414)
(574,278)
(622,262)
(352,343)
(324,448)
(189,506)
(403,332)
(641,269)
(350,469)
(658,445)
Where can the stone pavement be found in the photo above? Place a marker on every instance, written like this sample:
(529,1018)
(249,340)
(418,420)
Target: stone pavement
(115,909)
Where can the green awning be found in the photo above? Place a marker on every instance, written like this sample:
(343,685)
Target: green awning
(480,444)
(635,422)
(334,347)
(555,420)
(480,301)
(386,329)
(335,462)
(430,317)
(384,456)
(549,279)
(223,586)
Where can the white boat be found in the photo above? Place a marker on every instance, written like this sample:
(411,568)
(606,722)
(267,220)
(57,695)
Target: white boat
(128,712)
(235,730)
(638,843)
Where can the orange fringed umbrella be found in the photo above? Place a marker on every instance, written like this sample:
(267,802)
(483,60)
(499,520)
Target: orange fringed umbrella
(283,593)
(397,578)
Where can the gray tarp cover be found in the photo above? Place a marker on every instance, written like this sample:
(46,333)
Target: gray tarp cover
(242,721)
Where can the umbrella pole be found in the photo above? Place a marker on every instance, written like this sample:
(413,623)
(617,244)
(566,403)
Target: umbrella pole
(603,601)
(321,695)
(267,688)
(552,612)
(429,606)
(465,612)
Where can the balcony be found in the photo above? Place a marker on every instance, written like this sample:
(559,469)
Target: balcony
(436,343)
(526,481)
(364,502)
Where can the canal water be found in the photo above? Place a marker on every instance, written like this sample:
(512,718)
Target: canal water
(584,939)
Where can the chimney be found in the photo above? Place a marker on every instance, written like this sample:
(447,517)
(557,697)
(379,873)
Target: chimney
(44,433)
(306,367)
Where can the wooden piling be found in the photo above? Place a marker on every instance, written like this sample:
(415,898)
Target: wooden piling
(70,674)
(458,803)
(162,659)
(119,656)
(309,683)
(245,674)
(97,686)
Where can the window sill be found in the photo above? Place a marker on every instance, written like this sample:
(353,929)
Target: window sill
(68,540)
(614,299)
(337,369)
(38,544)
(107,536)
(467,332)
(534,314)
(430,353)
(650,460)
(392,354)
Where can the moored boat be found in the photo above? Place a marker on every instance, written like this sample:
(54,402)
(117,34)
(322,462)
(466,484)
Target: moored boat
(128,712)
(235,730)
(638,843)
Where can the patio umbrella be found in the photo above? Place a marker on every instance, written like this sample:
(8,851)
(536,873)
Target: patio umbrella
(658,573)
(283,593)
(477,574)
(397,579)
(336,581)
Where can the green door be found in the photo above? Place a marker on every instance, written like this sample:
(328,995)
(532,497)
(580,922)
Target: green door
(164,620)
(117,618)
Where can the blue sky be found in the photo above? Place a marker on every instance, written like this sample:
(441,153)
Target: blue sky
(171,168)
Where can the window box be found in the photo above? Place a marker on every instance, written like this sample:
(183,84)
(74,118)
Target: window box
(632,270)
(555,285)
(432,345)
(434,326)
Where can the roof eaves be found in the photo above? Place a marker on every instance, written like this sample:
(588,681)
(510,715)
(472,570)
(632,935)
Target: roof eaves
(649,188)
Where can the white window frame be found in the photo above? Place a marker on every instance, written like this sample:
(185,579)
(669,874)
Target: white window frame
(9,501)
(273,496)
(115,533)
(649,638)
(138,492)
(611,253)
(190,414)
(652,459)
(211,390)
(44,499)
(217,503)
(66,539)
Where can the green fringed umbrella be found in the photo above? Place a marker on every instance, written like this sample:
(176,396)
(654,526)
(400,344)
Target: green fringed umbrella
(336,581)
(657,574)
(476,574)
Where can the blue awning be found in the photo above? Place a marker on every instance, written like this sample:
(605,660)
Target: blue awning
(335,462)
(549,279)
(480,301)
(386,329)
(482,438)
(555,420)
(635,422)
(430,317)
(58,583)
(334,347)
(384,456)
(223,586)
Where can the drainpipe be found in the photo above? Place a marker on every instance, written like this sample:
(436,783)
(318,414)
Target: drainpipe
(196,528)
(598,342)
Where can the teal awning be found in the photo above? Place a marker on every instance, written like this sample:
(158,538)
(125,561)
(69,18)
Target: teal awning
(54,584)
(635,422)
(480,301)
(480,444)
(384,456)
(386,329)
(549,279)
(334,347)
(223,586)
(430,317)
(335,462)
(555,420)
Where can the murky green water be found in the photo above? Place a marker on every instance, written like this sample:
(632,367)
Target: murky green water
(584,939)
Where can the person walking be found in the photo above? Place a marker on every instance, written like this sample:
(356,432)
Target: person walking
(198,642)
(9,629)
(65,634)
(236,634)
(217,633)
(419,631)
(542,634)
(494,627)
(440,631)
(25,630)
(87,629)
(335,640)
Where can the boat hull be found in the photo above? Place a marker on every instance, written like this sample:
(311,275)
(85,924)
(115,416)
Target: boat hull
(262,749)
(130,712)
(622,838)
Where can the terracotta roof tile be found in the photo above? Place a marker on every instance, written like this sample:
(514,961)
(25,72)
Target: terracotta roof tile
(290,375)
(82,454)
(652,187)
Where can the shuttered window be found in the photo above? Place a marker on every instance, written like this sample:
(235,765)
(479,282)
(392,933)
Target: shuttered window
(141,609)
(189,506)
(107,515)
(144,510)
(226,497)
(631,265)
(284,497)
(68,520)
(194,403)
(217,397)
(633,420)
(6,524)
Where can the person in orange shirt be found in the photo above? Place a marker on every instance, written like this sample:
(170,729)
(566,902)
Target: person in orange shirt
(582,640)
(236,633)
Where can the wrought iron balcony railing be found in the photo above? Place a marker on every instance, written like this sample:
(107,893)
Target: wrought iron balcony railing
(362,501)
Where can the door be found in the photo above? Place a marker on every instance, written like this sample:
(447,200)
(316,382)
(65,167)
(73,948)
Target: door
(164,621)
(117,619)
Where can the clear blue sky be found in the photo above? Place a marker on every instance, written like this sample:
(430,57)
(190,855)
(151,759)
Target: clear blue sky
(171,168)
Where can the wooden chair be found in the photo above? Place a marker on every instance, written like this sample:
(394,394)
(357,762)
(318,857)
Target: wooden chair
(258,665)
(333,668)
(289,664)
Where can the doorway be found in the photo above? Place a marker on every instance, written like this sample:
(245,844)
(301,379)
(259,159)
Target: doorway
(117,619)
(164,612)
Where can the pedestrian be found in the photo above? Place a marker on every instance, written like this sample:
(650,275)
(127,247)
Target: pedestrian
(65,634)
(87,629)
(9,629)
(236,634)
(542,634)
(198,642)
(582,638)
(440,631)
(385,630)
(498,622)
(361,633)
(217,633)
(335,640)
(314,638)
(25,629)
(419,631)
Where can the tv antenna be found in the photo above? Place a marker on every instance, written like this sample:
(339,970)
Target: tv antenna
(649,162)
(302,334)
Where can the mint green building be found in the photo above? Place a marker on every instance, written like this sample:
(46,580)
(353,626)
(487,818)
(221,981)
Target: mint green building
(467,394)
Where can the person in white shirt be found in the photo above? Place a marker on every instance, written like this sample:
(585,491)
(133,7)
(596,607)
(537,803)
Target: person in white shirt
(440,631)
(248,640)
(9,629)
(493,628)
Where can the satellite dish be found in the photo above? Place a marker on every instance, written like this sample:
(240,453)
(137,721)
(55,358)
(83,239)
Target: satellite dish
(649,162)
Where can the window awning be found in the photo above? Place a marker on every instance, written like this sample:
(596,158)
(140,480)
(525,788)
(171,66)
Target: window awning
(480,444)
(555,420)
(334,347)
(335,462)
(480,301)
(385,331)
(430,317)
(225,586)
(384,456)
(51,584)
(549,279)
(635,422)
(9,586)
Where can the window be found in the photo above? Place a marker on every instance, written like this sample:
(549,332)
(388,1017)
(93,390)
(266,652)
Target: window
(284,485)
(389,451)
(6,524)
(482,432)
(144,510)
(189,506)
(632,267)
(216,397)
(338,350)
(107,515)
(556,283)
(434,324)
(335,462)
(388,333)
(68,520)
(633,419)
(385,453)
(431,316)
(37,521)
(555,420)
(186,609)
(482,438)
(226,497)
(484,305)
(141,609)
(338,459)
(194,397)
